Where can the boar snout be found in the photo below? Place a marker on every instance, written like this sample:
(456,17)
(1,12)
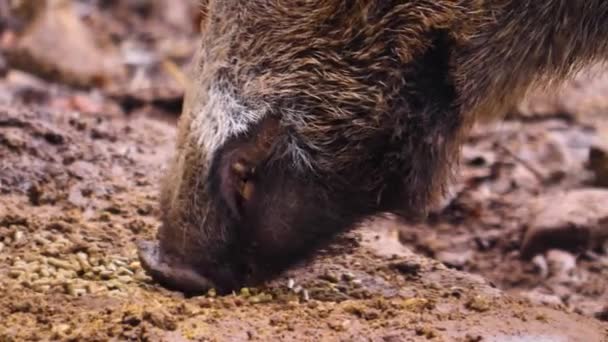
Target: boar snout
(169,272)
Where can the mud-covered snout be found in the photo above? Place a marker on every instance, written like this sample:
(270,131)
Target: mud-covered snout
(170,272)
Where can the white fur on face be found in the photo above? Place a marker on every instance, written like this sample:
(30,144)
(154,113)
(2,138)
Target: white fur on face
(219,118)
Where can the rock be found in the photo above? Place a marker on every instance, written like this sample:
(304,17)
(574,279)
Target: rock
(56,42)
(561,263)
(454,259)
(572,221)
(541,265)
(161,319)
(76,198)
(538,296)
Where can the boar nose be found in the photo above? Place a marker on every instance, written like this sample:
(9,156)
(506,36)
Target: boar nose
(169,272)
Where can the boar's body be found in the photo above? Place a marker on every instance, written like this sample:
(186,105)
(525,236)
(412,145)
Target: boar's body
(306,117)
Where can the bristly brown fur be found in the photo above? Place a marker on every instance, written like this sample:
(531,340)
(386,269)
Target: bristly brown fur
(373,98)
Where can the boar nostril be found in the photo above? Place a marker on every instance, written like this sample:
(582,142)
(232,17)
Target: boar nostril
(173,275)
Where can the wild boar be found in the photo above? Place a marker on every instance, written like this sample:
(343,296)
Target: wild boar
(306,117)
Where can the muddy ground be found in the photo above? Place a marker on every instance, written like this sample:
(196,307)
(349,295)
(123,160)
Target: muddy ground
(79,168)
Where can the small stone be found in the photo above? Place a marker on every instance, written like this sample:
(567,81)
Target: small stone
(83,260)
(42,288)
(478,303)
(455,259)
(114,284)
(417,304)
(407,268)
(119,263)
(572,221)
(61,329)
(94,288)
(141,277)
(44,271)
(131,319)
(74,290)
(106,274)
(125,279)
(348,276)
(561,263)
(41,240)
(160,319)
(538,297)
(426,331)
(17,236)
(328,276)
(124,271)
(541,264)
(339,326)
(15,274)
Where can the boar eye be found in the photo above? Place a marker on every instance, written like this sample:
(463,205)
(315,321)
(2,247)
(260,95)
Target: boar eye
(245,179)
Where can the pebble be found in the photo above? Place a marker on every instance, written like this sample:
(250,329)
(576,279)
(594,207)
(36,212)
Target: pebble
(538,297)
(348,276)
(112,267)
(455,259)
(43,271)
(15,274)
(118,262)
(17,236)
(479,304)
(40,240)
(83,260)
(106,274)
(124,279)
(124,271)
(42,288)
(571,221)
(339,326)
(141,277)
(541,264)
(561,263)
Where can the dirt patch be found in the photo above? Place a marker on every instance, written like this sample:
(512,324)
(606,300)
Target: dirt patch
(79,190)
(79,169)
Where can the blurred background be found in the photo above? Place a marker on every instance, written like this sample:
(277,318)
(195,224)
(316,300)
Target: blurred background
(98,56)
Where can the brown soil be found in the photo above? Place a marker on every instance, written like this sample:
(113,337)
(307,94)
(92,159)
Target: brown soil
(77,192)
(78,187)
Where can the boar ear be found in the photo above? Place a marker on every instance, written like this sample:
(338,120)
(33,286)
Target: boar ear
(239,169)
